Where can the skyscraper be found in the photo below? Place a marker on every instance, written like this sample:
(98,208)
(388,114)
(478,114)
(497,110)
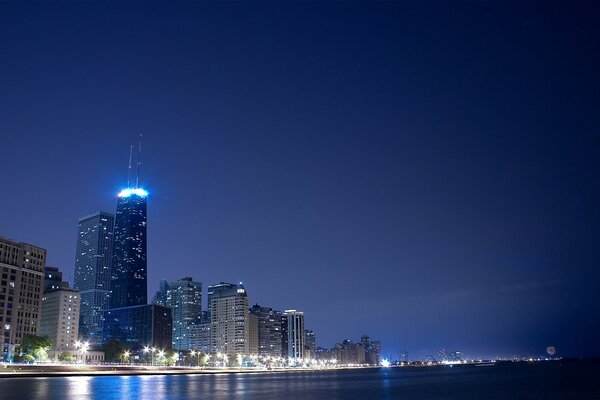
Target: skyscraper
(92,272)
(184,298)
(229,318)
(21,289)
(129,273)
(269,330)
(292,333)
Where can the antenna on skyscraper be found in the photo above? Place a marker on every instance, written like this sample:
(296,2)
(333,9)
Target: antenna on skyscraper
(129,169)
(139,163)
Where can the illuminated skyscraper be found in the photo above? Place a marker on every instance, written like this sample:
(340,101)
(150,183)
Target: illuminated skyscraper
(229,332)
(129,286)
(129,277)
(92,272)
(292,335)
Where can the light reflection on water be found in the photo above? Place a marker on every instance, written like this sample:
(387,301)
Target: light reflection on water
(559,381)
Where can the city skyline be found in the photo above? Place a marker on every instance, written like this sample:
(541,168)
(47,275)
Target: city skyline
(383,168)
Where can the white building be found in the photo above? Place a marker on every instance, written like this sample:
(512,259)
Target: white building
(60,318)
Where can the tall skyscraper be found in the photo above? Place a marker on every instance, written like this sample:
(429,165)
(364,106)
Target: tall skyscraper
(129,285)
(292,333)
(269,330)
(92,272)
(184,297)
(21,289)
(229,318)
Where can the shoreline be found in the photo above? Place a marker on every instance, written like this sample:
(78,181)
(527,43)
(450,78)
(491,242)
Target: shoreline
(47,371)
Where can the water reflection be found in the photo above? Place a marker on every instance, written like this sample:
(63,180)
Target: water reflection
(400,383)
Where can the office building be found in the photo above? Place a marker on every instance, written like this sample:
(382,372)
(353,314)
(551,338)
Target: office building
(140,326)
(292,334)
(59,319)
(92,272)
(252,334)
(200,336)
(228,305)
(184,297)
(310,344)
(129,270)
(21,288)
(269,330)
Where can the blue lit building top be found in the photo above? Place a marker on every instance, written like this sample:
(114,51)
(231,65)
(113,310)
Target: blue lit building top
(133,191)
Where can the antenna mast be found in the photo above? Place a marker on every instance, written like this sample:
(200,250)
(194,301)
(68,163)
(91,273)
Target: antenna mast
(129,168)
(139,163)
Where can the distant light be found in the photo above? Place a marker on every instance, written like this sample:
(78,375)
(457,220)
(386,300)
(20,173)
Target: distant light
(131,191)
(385,363)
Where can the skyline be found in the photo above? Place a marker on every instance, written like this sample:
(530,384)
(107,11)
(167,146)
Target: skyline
(440,186)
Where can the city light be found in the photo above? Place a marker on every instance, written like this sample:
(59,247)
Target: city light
(385,363)
(133,191)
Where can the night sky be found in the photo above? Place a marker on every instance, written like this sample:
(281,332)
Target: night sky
(426,173)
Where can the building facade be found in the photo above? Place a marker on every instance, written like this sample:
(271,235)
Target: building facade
(140,326)
(269,330)
(200,338)
(310,344)
(60,318)
(93,262)
(229,318)
(129,270)
(184,297)
(292,335)
(21,289)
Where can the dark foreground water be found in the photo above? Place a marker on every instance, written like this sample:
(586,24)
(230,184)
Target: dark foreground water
(549,380)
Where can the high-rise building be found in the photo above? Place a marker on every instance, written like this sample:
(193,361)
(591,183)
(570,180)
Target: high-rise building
(59,319)
(139,326)
(129,285)
(92,272)
(252,334)
(201,334)
(269,330)
(161,295)
(53,279)
(228,304)
(21,289)
(292,334)
(184,297)
(310,344)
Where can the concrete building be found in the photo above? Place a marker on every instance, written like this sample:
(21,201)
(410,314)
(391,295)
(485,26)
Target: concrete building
(21,289)
(140,326)
(269,330)
(228,304)
(59,318)
(200,334)
(310,344)
(292,334)
(93,262)
(53,279)
(252,334)
(184,297)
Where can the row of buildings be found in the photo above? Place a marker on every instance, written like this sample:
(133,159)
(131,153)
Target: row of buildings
(108,299)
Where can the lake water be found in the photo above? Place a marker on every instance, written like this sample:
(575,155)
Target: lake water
(548,380)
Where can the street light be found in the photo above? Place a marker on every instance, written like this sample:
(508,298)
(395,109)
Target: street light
(126,355)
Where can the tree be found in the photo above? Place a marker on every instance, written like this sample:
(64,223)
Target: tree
(67,357)
(113,350)
(35,348)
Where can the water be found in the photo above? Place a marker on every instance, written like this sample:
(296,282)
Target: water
(549,380)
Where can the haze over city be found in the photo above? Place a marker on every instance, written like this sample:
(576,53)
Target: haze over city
(428,176)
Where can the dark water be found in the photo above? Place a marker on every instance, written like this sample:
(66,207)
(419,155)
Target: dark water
(550,380)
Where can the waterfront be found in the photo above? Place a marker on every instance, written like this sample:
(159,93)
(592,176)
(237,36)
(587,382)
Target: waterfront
(544,380)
